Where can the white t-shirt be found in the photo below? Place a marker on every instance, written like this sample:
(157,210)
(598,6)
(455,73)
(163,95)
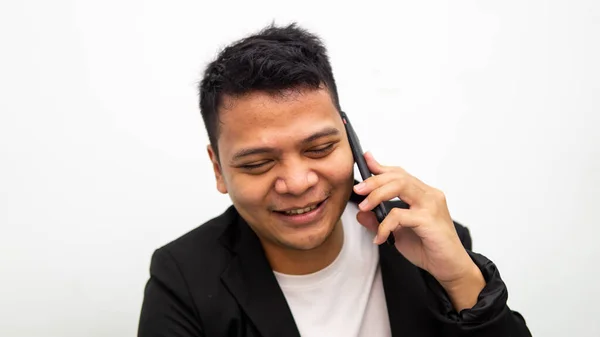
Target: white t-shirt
(346,298)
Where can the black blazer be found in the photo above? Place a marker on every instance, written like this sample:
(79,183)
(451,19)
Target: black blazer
(216,281)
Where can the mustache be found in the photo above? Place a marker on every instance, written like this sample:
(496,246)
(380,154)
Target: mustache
(293,201)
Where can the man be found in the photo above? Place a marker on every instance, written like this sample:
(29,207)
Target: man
(300,252)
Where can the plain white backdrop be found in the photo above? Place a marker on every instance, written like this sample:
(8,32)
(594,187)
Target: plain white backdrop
(103,150)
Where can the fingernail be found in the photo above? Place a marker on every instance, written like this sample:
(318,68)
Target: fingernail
(359,186)
(362,204)
(375,239)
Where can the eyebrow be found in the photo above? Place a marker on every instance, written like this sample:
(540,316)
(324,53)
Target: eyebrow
(329,131)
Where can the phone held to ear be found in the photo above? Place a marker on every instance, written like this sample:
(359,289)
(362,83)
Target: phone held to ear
(357,152)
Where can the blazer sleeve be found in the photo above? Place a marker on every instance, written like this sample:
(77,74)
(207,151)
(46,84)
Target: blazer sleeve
(167,309)
(490,317)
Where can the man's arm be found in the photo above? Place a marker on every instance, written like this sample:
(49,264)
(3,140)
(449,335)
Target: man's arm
(490,316)
(167,309)
(469,295)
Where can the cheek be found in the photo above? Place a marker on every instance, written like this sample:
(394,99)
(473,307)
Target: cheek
(339,169)
(247,190)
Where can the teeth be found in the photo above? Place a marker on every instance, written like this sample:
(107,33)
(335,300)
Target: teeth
(301,210)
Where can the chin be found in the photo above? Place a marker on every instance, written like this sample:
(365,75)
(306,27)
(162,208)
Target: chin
(310,238)
(308,243)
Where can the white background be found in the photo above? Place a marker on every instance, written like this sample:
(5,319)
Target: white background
(103,153)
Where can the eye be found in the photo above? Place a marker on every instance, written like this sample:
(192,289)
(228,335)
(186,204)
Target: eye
(254,166)
(322,149)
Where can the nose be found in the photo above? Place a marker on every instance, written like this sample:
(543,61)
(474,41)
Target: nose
(296,178)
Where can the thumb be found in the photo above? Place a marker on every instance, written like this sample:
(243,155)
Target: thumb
(368,220)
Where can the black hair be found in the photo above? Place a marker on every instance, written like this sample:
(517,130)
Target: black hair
(272,60)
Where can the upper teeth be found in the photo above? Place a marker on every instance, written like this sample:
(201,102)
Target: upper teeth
(301,210)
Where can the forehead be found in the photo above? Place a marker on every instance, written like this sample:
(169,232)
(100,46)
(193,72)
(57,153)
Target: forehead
(261,118)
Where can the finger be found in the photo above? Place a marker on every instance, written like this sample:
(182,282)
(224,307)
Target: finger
(365,187)
(413,192)
(368,220)
(402,186)
(382,193)
(396,219)
(374,166)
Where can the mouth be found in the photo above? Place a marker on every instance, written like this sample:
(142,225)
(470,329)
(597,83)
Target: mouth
(300,210)
(302,215)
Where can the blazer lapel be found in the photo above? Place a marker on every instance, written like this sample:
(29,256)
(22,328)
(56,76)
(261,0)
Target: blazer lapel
(404,288)
(251,281)
(405,295)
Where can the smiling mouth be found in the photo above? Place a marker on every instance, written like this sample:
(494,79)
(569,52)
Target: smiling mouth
(299,211)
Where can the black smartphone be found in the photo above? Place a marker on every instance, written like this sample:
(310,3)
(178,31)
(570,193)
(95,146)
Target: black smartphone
(358,154)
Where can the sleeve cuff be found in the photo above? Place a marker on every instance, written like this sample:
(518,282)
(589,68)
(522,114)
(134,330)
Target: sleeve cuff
(490,302)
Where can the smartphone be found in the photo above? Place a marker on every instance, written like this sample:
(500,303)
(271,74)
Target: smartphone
(358,154)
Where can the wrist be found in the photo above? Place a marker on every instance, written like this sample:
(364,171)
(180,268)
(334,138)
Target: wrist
(464,291)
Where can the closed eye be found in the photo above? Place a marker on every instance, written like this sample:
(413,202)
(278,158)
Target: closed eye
(318,152)
(321,149)
(254,166)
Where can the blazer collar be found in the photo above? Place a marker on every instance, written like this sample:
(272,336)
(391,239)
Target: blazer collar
(251,281)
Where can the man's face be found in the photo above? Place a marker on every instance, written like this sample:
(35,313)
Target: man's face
(286,164)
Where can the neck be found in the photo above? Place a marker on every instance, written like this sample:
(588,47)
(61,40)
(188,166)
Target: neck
(302,262)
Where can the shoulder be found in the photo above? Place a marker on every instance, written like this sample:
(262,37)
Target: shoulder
(185,273)
(200,249)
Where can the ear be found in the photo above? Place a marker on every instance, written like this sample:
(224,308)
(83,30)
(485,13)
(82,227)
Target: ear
(217,169)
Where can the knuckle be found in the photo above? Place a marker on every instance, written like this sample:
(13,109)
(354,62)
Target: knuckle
(373,197)
(382,226)
(389,225)
(398,168)
(400,182)
(437,195)
(396,216)
(376,195)
(440,196)
(369,181)
(395,212)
